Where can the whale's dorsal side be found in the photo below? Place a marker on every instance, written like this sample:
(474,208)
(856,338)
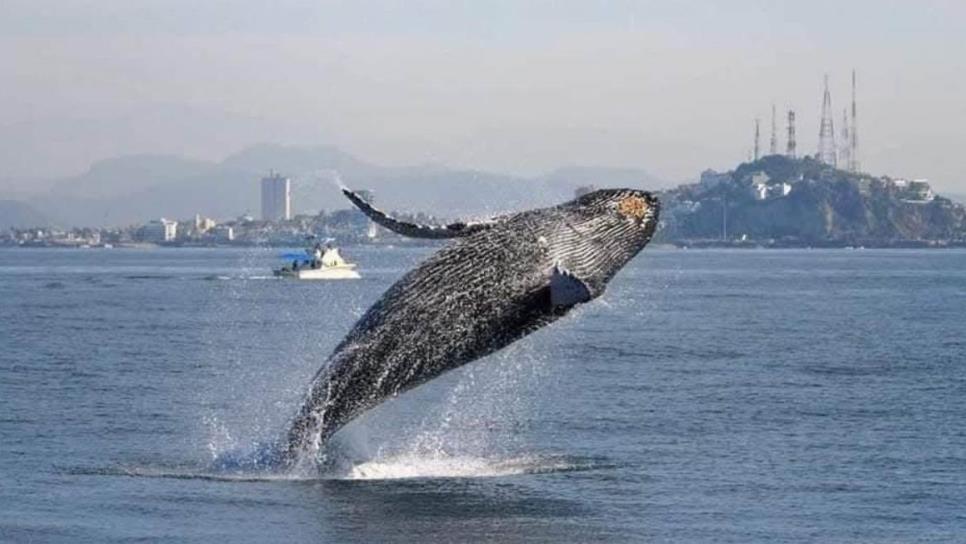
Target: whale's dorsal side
(413,230)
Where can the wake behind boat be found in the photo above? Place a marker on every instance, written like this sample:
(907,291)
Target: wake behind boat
(317,264)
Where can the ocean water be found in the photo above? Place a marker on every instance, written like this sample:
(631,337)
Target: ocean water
(709,396)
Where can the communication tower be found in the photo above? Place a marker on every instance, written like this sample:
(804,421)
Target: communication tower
(845,151)
(790,147)
(826,134)
(756,139)
(773,144)
(854,141)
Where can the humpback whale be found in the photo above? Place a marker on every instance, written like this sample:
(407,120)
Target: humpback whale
(500,280)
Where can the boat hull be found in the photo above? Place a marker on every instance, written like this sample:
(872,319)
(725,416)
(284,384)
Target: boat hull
(324,273)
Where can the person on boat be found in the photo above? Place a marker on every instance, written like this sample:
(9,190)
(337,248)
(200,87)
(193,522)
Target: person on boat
(317,256)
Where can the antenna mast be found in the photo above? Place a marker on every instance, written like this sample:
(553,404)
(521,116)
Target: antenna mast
(845,152)
(756,139)
(773,145)
(790,149)
(854,141)
(826,135)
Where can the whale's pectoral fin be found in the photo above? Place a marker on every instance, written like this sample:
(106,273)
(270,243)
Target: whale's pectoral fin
(567,289)
(453,230)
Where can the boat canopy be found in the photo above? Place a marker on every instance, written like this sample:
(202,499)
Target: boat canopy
(294,255)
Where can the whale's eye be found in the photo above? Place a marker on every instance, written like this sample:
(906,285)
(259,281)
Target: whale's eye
(633,207)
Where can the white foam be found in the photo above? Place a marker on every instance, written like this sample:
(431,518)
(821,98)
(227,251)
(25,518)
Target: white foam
(413,466)
(401,467)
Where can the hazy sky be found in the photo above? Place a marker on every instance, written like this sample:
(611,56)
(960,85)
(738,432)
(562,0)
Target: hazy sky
(672,87)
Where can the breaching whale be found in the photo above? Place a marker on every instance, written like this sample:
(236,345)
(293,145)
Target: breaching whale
(499,281)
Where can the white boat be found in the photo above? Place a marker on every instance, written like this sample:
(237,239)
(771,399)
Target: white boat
(319,264)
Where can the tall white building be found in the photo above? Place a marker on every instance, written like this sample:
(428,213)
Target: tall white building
(276,198)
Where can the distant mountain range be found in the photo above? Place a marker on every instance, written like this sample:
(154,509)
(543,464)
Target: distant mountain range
(14,214)
(134,189)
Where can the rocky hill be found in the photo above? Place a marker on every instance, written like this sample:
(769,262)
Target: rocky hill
(778,201)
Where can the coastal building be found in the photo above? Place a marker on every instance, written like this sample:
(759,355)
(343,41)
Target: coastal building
(276,198)
(222,233)
(159,230)
(204,224)
(920,189)
(760,178)
(762,188)
(916,190)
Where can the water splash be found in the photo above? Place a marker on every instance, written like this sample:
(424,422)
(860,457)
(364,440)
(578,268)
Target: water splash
(475,432)
(220,438)
(472,430)
(443,466)
(402,467)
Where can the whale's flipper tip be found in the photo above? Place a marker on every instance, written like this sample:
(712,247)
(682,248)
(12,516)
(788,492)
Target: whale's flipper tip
(353,196)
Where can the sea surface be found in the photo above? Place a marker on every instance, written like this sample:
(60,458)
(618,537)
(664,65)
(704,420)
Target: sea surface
(709,396)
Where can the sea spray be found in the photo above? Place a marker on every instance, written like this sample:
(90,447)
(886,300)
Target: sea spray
(471,431)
